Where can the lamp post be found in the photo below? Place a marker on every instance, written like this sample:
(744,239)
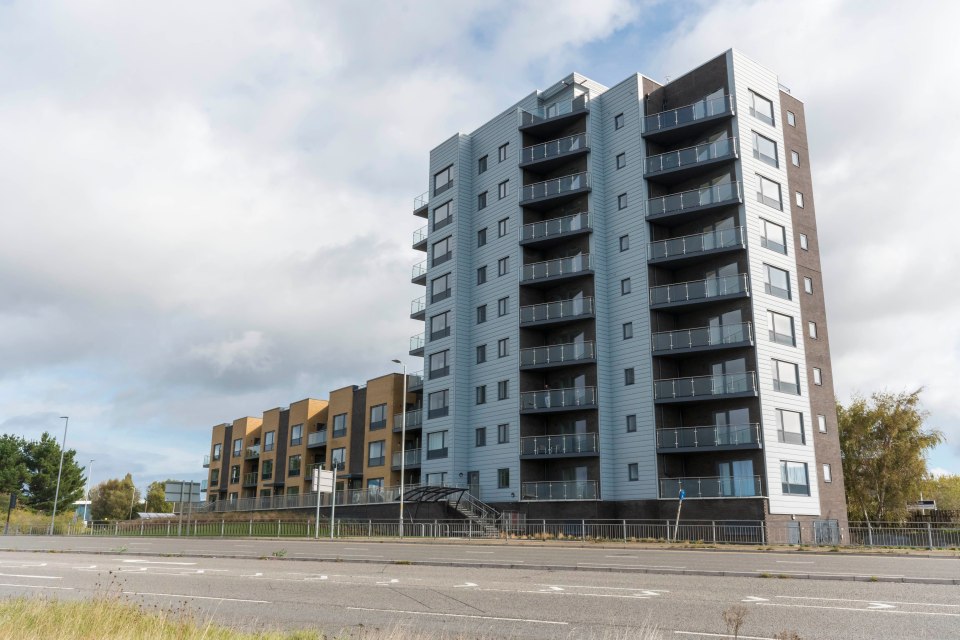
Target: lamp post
(403,441)
(89,506)
(63,449)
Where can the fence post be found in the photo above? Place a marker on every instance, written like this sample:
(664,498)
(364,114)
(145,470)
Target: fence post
(624,530)
(116,529)
(168,529)
(141,528)
(250,531)
(369,528)
(278,528)
(544,528)
(930,536)
(713,528)
(223,527)
(583,529)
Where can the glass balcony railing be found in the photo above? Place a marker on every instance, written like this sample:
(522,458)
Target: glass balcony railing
(206,461)
(556,354)
(718,194)
(706,108)
(415,381)
(702,337)
(699,289)
(421,200)
(417,342)
(420,236)
(571,398)
(695,244)
(711,487)
(414,419)
(705,386)
(559,267)
(411,458)
(559,445)
(563,490)
(553,110)
(692,156)
(558,310)
(317,438)
(250,479)
(732,435)
(419,270)
(310,469)
(418,306)
(553,148)
(555,227)
(252,452)
(555,187)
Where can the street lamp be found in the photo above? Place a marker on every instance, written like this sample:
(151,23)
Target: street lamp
(63,449)
(89,507)
(403,441)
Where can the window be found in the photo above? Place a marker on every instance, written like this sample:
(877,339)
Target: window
(503,390)
(266,493)
(624,242)
(503,347)
(339,425)
(793,476)
(217,448)
(439,364)
(777,282)
(808,285)
(791,119)
(237,447)
(628,376)
(799,199)
(293,491)
(822,423)
(812,330)
(621,160)
(503,478)
(442,250)
(338,458)
(804,243)
(268,440)
(443,180)
(438,404)
(622,201)
(440,325)
(480,437)
(780,328)
(436,445)
(481,165)
(503,266)
(786,378)
(293,466)
(502,189)
(502,227)
(627,330)
(481,237)
(769,193)
(631,423)
(233,496)
(296,435)
(481,353)
(266,470)
(503,433)
(482,201)
(503,306)
(378,417)
(618,121)
(761,109)
(440,288)
(817,376)
(442,216)
(481,393)
(765,150)
(215,475)
(773,236)
(481,314)
(633,472)
(481,274)
(790,426)
(375,455)
(625,286)
(795,158)
(502,152)
(375,483)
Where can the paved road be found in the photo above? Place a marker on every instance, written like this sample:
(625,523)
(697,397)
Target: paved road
(615,557)
(488,601)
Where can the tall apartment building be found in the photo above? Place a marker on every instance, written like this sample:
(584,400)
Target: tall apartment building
(623,301)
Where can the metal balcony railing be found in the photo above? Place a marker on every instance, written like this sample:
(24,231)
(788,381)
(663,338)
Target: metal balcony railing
(558,267)
(555,186)
(732,435)
(572,397)
(556,310)
(688,114)
(695,244)
(724,193)
(317,438)
(252,452)
(555,227)
(559,444)
(421,200)
(711,487)
(414,419)
(415,381)
(420,235)
(699,289)
(692,156)
(412,458)
(250,479)
(702,337)
(206,461)
(563,490)
(553,148)
(557,353)
(705,386)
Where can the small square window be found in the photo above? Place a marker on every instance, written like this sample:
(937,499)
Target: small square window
(621,160)
(827,473)
(482,237)
(481,353)
(625,286)
(482,201)
(808,285)
(799,199)
(503,347)
(481,165)
(822,423)
(627,330)
(791,119)
(502,227)
(502,190)
(481,274)
(503,306)
(812,330)
(503,433)
(795,158)
(817,376)
(503,266)
(631,423)
(481,314)
(482,394)
(503,478)
(618,121)
(624,242)
(633,472)
(503,390)
(628,376)
(622,201)
(481,437)
(804,243)
(502,152)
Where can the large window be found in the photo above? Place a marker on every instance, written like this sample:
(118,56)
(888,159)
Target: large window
(502,152)
(793,476)
(776,282)
(375,453)
(442,250)
(773,236)
(440,326)
(442,216)
(439,364)
(436,445)
(438,404)
(502,189)
(443,180)
(375,483)
(266,470)
(440,288)
(293,468)
(378,416)
(503,478)
(296,435)
(338,458)
(437,479)
(768,192)
(790,426)
(268,440)
(765,150)
(217,449)
(761,109)
(786,377)
(503,433)
(339,425)
(503,347)
(628,376)
(237,447)
(781,328)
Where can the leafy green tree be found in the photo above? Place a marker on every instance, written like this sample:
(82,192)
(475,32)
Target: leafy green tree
(156,499)
(43,460)
(883,445)
(14,472)
(114,499)
(945,490)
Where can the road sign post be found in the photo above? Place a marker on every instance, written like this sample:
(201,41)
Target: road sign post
(333,501)
(676,527)
(13,505)
(324,482)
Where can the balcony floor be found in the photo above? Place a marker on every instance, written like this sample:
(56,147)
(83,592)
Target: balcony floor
(706,398)
(680,304)
(685,130)
(681,174)
(548,202)
(557,365)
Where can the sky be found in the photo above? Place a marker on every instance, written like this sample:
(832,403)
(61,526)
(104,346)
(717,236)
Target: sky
(206,206)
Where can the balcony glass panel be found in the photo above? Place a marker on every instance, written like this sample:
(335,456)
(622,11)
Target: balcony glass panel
(418,306)
(420,235)
(552,110)
(252,452)
(421,200)
(711,436)
(553,148)
(563,490)
(556,310)
(699,110)
(692,156)
(699,289)
(414,419)
(694,199)
(557,398)
(559,444)
(417,342)
(555,226)
(317,438)
(556,186)
(702,337)
(557,353)
(705,386)
(419,270)
(250,479)
(558,267)
(711,487)
(696,243)
(412,457)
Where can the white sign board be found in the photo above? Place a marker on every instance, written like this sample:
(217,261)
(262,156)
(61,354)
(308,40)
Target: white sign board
(323,481)
(182,492)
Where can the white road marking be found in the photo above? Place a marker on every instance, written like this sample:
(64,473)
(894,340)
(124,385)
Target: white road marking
(795,561)
(479,552)
(550,589)
(355,549)
(35,586)
(924,604)
(459,615)
(19,565)
(755,599)
(93,566)
(184,564)
(869,610)
(628,557)
(255,575)
(880,605)
(183,595)
(466,584)
(20,575)
(587,586)
(704,634)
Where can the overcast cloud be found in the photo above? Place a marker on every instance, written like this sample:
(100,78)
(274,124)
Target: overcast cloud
(206,212)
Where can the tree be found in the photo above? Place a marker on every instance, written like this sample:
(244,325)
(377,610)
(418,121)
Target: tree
(945,490)
(156,499)
(114,499)
(14,472)
(883,445)
(43,461)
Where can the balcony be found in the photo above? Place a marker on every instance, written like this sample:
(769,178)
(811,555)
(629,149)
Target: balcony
(418,308)
(250,479)
(711,487)
(415,381)
(711,438)
(418,274)
(416,345)
(420,238)
(679,165)
(560,446)
(553,117)
(728,385)
(695,247)
(411,458)
(684,341)
(206,462)
(549,155)
(564,490)
(252,452)
(687,121)
(557,355)
(317,439)
(338,465)
(559,312)
(675,207)
(550,193)
(414,420)
(684,294)
(558,269)
(310,469)
(537,234)
(420,205)
(558,400)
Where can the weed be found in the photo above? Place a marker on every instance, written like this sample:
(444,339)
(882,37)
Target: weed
(401,562)
(787,635)
(734,618)
(279,553)
(765,575)
(874,579)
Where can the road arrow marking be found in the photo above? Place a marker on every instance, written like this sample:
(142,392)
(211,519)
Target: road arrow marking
(755,599)
(466,584)
(880,605)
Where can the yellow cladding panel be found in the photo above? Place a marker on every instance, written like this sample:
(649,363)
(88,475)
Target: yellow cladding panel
(341,402)
(385,390)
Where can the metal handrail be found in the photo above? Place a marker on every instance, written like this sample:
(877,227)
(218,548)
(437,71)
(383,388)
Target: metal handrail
(556,109)
(712,487)
(692,156)
(559,490)
(694,198)
(554,148)
(557,267)
(555,398)
(699,289)
(417,342)
(708,436)
(702,337)
(557,309)
(555,353)
(555,186)
(419,269)
(421,200)
(695,243)
(688,113)
(555,226)
(418,305)
(713,385)
(559,444)
(411,457)
(414,418)
(420,235)
(250,479)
